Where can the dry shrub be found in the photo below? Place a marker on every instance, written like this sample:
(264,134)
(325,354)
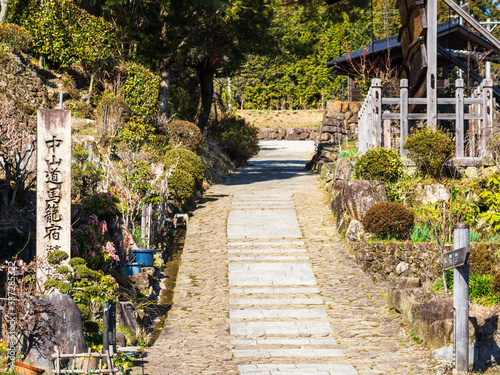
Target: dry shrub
(184,134)
(389,219)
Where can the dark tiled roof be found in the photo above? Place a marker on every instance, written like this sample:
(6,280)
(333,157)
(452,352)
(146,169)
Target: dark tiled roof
(384,44)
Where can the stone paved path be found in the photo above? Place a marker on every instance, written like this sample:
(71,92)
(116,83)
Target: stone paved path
(267,287)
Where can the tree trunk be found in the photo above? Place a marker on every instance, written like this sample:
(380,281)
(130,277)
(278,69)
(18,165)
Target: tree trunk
(206,74)
(4,7)
(164,87)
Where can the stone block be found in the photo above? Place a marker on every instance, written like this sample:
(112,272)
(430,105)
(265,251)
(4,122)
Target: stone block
(343,168)
(125,316)
(330,128)
(61,324)
(354,231)
(359,196)
(334,121)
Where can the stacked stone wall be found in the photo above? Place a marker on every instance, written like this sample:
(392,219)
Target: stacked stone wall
(340,121)
(288,134)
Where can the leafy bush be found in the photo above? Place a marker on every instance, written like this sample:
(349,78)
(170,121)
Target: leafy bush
(103,205)
(57,257)
(80,109)
(429,150)
(379,164)
(16,36)
(389,219)
(185,161)
(141,89)
(182,187)
(136,134)
(492,197)
(237,138)
(67,34)
(184,134)
(85,176)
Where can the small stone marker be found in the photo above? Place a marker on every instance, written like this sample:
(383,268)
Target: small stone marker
(53,192)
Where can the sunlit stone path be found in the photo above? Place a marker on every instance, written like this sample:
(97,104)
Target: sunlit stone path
(267,287)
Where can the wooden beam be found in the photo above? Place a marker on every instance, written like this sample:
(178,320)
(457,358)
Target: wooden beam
(432,63)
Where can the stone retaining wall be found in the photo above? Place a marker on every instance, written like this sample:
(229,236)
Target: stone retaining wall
(384,260)
(288,134)
(340,121)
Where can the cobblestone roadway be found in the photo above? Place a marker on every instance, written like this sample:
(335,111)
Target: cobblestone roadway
(266,286)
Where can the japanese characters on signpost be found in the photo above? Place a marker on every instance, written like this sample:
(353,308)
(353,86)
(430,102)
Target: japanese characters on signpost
(53,196)
(458,260)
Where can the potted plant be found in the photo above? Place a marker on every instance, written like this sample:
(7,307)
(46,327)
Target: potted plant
(25,369)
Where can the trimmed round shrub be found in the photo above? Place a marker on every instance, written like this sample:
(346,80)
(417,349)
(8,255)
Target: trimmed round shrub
(237,138)
(389,219)
(186,161)
(429,150)
(57,257)
(184,134)
(181,186)
(379,164)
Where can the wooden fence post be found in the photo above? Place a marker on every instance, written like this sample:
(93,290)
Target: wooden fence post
(387,132)
(461,301)
(459,122)
(361,130)
(403,110)
(487,86)
(105,326)
(377,112)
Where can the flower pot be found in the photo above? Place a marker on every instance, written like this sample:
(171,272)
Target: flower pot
(24,369)
(145,257)
(132,268)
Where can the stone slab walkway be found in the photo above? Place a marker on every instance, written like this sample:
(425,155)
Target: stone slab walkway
(266,287)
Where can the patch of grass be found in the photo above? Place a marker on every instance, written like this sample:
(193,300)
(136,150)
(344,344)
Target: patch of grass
(421,233)
(348,153)
(480,288)
(415,338)
(474,236)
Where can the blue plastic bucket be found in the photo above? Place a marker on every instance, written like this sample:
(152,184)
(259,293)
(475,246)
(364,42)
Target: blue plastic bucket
(132,268)
(145,257)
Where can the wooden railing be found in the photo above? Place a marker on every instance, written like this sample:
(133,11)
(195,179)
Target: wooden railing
(374,126)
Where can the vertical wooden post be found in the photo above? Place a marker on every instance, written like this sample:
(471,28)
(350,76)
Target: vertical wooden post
(473,128)
(145,225)
(369,128)
(459,122)
(105,327)
(461,301)
(361,130)
(431,63)
(387,132)
(487,92)
(377,110)
(403,111)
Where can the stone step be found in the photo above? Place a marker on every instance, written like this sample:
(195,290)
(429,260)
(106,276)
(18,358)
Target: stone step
(274,290)
(296,369)
(271,353)
(279,328)
(276,301)
(281,314)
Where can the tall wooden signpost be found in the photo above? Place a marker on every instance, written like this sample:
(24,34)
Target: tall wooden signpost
(458,261)
(53,195)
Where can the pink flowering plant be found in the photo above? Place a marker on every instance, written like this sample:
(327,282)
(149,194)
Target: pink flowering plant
(91,242)
(103,205)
